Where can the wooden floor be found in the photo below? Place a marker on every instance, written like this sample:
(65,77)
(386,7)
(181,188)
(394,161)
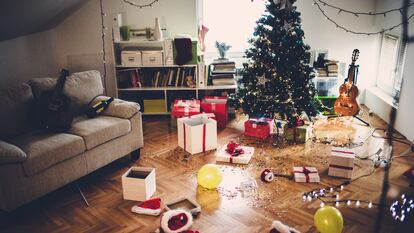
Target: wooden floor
(224,210)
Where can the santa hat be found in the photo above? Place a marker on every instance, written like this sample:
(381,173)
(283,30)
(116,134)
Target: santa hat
(279,227)
(149,207)
(176,221)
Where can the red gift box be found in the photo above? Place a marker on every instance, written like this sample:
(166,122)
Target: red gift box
(183,108)
(258,127)
(218,106)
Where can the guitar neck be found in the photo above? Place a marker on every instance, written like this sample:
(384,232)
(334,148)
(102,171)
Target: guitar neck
(59,86)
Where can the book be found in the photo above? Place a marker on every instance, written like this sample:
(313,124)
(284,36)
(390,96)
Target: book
(177,77)
(220,82)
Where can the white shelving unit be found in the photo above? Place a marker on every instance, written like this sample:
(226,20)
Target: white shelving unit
(139,91)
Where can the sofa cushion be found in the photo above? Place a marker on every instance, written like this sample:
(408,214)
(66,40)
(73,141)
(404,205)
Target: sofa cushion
(15,104)
(10,153)
(80,87)
(97,131)
(46,149)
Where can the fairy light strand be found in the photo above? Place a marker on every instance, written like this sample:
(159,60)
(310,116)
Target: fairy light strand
(357,13)
(360,33)
(151,4)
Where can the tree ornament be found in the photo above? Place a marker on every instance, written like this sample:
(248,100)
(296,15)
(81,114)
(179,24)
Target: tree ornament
(262,80)
(267,176)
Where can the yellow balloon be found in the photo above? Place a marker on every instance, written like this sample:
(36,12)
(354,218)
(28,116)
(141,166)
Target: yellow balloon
(328,219)
(209,176)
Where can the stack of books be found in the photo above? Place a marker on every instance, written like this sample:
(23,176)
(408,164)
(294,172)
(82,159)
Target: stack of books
(330,69)
(222,72)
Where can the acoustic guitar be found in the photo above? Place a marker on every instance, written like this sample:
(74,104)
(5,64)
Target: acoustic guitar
(52,111)
(346,104)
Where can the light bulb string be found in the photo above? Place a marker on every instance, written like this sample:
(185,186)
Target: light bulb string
(356,13)
(356,32)
(139,5)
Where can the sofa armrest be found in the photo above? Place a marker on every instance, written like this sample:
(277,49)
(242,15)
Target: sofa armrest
(118,108)
(10,153)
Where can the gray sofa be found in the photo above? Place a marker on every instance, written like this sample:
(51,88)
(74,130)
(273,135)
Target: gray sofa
(34,162)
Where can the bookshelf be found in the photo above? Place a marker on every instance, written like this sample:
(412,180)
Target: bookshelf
(166,92)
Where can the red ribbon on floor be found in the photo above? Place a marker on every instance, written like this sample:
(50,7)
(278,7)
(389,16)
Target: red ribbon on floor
(306,172)
(345,152)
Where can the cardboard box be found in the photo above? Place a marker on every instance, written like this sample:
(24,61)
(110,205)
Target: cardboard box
(218,106)
(197,134)
(306,174)
(185,204)
(258,127)
(341,162)
(131,58)
(152,58)
(223,156)
(138,183)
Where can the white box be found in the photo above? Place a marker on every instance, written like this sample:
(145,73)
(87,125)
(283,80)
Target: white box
(244,158)
(131,58)
(197,134)
(152,58)
(138,183)
(341,162)
(301,176)
(168,52)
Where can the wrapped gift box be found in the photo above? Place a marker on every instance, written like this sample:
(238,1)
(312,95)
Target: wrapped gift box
(306,174)
(218,106)
(138,183)
(182,108)
(298,134)
(341,162)
(197,134)
(223,156)
(258,127)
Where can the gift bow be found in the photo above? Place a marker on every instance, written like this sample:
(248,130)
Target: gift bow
(306,172)
(260,121)
(234,149)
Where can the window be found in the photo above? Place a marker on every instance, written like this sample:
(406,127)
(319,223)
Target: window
(391,64)
(232,22)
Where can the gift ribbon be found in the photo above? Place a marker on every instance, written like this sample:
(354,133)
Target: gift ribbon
(341,167)
(234,150)
(344,152)
(306,172)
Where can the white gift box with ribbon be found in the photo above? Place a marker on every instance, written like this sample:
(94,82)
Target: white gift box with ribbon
(223,156)
(197,133)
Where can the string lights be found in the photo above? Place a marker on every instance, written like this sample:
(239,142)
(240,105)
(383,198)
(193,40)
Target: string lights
(356,13)
(151,4)
(318,5)
(400,210)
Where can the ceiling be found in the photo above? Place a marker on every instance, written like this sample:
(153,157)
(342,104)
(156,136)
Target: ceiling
(23,17)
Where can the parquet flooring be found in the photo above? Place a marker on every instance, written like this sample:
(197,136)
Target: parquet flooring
(225,209)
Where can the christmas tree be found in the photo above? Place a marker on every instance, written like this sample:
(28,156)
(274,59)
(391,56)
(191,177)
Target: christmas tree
(277,79)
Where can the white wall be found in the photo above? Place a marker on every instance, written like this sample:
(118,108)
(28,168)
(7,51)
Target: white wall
(27,57)
(79,45)
(322,34)
(405,112)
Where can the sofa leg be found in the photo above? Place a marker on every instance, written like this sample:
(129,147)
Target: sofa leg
(81,193)
(135,155)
